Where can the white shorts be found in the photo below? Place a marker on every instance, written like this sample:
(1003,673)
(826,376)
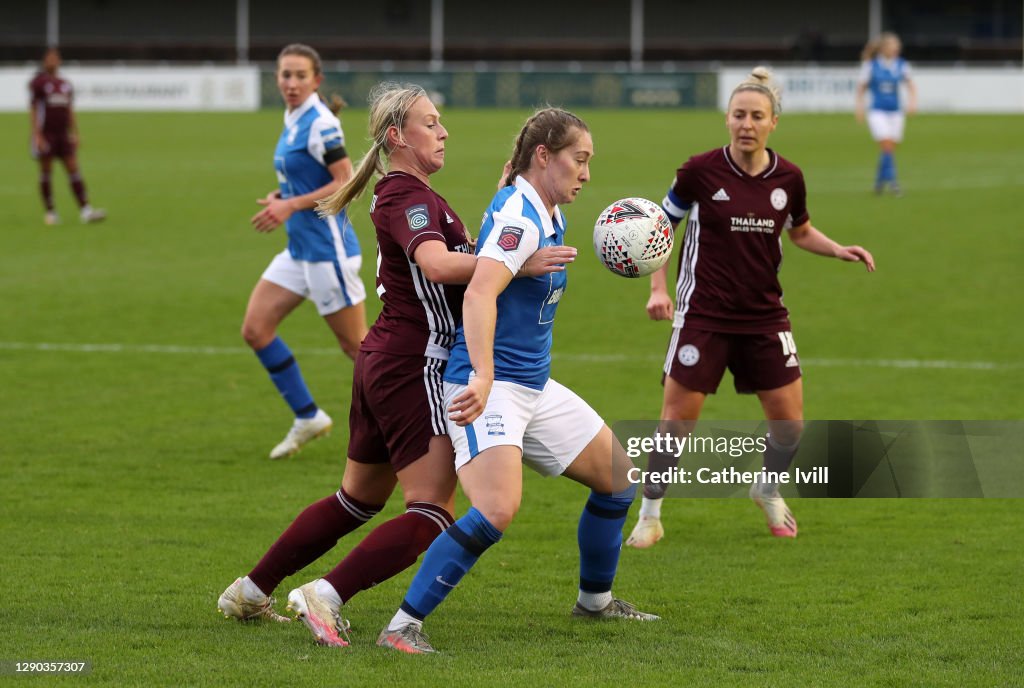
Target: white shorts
(886,125)
(330,285)
(551,427)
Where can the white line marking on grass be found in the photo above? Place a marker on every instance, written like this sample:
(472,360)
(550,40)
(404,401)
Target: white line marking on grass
(112,348)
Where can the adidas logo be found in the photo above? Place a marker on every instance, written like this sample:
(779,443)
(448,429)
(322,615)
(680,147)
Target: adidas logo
(791,362)
(720,195)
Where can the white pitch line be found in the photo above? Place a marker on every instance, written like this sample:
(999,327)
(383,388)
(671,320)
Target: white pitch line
(113,348)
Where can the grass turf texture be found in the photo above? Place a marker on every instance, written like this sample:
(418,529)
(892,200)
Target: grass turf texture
(137,488)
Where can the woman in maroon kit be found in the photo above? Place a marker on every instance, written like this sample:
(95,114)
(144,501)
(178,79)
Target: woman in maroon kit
(397,417)
(728,310)
(55,135)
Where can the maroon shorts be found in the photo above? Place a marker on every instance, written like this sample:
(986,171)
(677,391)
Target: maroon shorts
(697,359)
(397,407)
(58,146)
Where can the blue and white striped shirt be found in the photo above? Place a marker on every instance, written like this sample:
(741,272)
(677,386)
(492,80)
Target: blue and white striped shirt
(311,133)
(883,78)
(515,225)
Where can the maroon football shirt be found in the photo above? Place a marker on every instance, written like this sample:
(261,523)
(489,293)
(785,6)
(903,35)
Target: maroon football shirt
(732,249)
(419,317)
(51,99)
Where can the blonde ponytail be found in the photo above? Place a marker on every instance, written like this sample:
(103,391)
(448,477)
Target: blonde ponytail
(389,105)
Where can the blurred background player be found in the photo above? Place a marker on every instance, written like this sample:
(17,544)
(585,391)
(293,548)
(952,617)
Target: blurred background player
(55,135)
(728,311)
(882,71)
(503,407)
(396,420)
(322,260)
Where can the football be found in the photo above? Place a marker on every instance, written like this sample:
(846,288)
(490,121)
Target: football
(633,237)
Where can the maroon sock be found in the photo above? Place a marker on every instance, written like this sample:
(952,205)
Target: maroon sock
(391,548)
(46,189)
(777,458)
(78,187)
(313,533)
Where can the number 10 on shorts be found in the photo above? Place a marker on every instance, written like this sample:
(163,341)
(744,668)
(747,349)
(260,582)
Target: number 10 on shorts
(788,344)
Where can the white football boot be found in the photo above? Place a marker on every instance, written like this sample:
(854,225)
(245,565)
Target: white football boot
(321,617)
(234,604)
(780,519)
(303,431)
(647,531)
(90,215)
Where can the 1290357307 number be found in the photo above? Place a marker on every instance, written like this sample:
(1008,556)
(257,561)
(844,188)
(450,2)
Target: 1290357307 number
(44,667)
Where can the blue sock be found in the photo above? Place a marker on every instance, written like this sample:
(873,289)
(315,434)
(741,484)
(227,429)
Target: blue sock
(447,560)
(600,538)
(277,358)
(887,167)
(891,168)
(880,171)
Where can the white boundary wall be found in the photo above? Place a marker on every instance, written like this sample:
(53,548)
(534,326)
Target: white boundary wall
(805,89)
(830,89)
(144,88)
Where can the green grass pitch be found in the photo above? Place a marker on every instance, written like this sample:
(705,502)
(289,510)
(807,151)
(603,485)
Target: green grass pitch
(136,484)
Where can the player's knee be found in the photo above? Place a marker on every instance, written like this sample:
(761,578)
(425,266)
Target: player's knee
(441,495)
(615,501)
(255,336)
(499,514)
(626,495)
(786,434)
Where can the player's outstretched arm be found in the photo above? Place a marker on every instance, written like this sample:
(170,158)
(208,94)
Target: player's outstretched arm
(546,260)
(812,239)
(659,305)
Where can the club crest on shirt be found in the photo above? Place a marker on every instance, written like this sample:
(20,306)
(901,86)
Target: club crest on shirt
(418,217)
(779,199)
(510,237)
